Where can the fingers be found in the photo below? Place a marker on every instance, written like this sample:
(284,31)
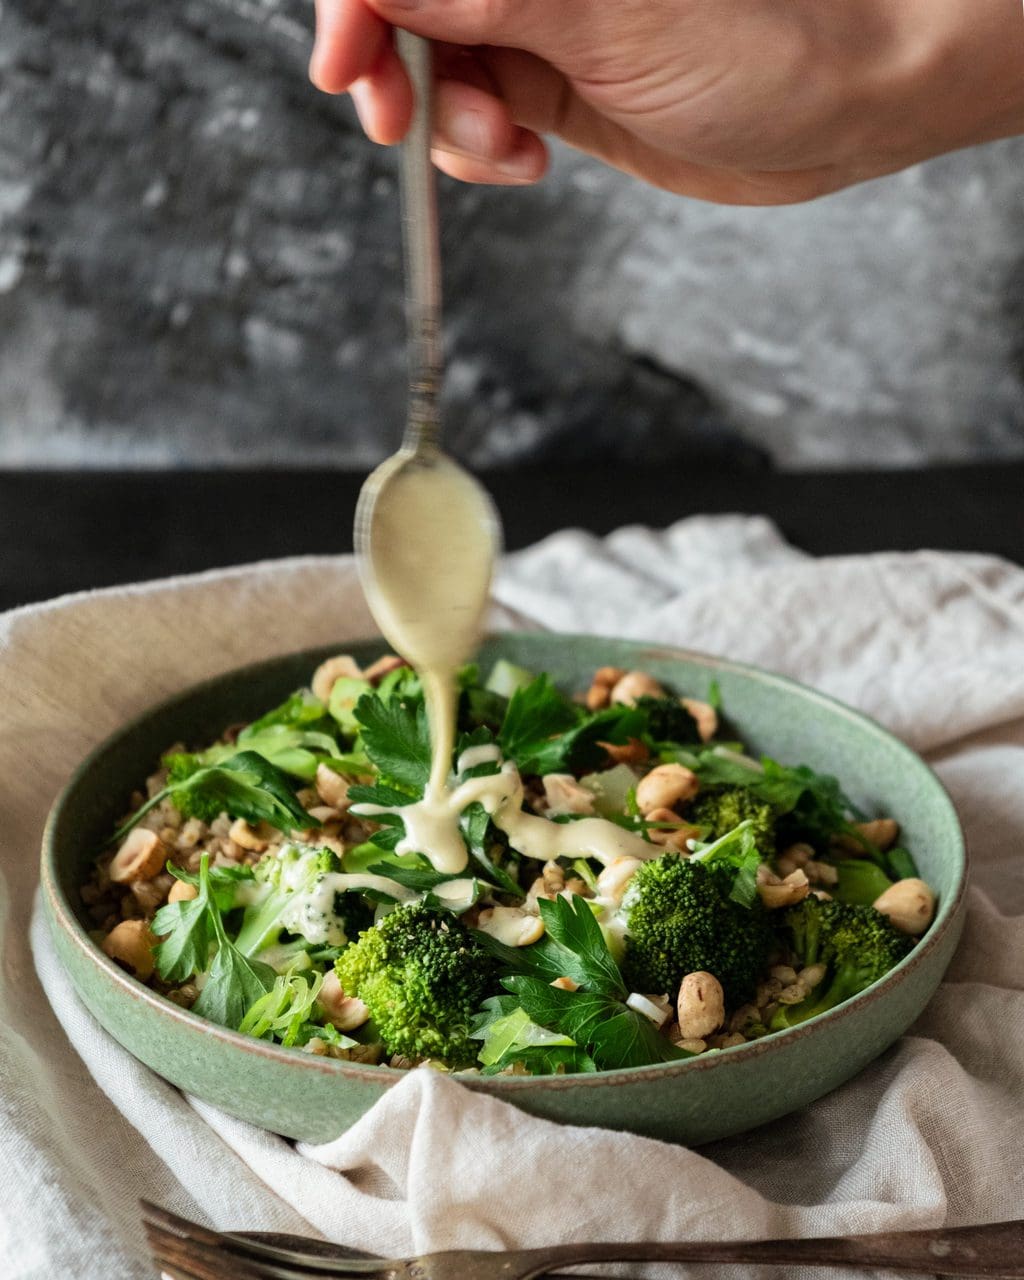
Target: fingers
(540,25)
(384,100)
(350,41)
(475,139)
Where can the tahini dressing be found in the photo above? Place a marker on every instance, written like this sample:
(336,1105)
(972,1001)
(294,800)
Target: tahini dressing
(432,549)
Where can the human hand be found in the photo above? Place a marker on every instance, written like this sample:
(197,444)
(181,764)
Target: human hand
(736,101)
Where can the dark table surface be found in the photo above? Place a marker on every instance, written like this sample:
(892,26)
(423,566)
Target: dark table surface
(63,531)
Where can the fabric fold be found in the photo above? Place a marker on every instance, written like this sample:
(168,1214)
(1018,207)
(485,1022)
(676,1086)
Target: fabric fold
(932,645)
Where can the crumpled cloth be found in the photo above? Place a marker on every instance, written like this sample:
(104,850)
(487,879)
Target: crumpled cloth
(932,1133)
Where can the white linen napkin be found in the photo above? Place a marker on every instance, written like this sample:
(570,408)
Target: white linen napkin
(930,644)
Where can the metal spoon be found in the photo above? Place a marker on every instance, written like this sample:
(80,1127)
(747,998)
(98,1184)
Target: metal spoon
(385,533)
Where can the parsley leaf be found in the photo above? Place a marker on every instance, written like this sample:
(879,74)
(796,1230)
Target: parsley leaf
(395,737)
(614,1035)
(233,983)
(244,786)
(573,946)
(536,713)
(185,936)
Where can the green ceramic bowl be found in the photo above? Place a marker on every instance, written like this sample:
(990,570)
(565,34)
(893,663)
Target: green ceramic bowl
(300,1096)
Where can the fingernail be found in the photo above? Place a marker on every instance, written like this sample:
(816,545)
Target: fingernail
(360,100)
(467,131)
(521,166)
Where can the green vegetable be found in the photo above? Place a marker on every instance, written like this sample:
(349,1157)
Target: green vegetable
(680,919)
(723,809)
(596,1016)
(287,1012)
(396,738)
(346,693)
(858,944)
(186,935)
(506,678)
(423,977)
(245,786)
(611,789)
(509,1036)
(287,876)
(900,864)
(536,713)
(667,720)
(233,983)
(860,881)
(734,859)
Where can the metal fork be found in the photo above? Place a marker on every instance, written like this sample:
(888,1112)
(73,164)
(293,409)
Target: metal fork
(186,1251)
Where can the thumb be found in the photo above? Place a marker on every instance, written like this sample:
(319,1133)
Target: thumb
(539,26)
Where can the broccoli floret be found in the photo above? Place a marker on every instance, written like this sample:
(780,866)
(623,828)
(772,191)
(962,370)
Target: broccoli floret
(295,867)
(669,721)
(422,977)
(858,944)
(286,897)
(720,809)
(680,919)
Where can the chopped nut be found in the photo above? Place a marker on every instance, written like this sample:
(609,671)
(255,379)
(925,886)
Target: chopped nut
(332,788)
(677,837)
(182,891)
(744,1016)
(784,973)
(700,1005)
(794,856)
(142,856)
(244,836)
(612,881)
(553,877)
(666,786)
(691,1045)
(882,832)
(564,794)
(633,686)
(821,873)
(384,666)
(342,1011)
(131,944)
(631,752)
(565,984)
(909,905)
(343,666)
(794,993)
(812,975)
(705,715)
(511,925)
(776,893)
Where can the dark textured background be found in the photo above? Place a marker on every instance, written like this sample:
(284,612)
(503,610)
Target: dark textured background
(199,264)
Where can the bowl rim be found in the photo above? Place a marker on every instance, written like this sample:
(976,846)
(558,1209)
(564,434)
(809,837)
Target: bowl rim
(62,913)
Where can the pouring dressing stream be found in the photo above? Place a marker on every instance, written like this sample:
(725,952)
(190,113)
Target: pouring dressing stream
(426,537)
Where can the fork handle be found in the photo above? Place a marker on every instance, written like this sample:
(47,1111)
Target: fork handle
(994,1250)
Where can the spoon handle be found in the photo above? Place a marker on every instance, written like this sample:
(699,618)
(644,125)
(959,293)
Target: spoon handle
(422,251)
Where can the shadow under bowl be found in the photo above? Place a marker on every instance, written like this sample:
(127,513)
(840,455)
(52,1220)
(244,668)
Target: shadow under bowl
(695,1101)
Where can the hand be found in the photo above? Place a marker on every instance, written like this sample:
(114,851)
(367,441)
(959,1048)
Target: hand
(737,101)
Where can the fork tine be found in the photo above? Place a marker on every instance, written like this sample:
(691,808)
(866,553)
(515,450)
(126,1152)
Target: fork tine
(267,1255)
(183,1227)
(208,1261)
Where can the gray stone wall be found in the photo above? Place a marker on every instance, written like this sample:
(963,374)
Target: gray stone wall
(199,263)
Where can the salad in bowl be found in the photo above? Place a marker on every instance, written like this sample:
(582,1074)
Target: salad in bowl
(634,889)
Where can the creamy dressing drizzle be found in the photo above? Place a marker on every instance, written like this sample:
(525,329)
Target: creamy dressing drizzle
(431,553)
(432,824)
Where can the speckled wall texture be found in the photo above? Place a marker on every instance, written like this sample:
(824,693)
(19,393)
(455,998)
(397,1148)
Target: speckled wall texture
(199,264)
